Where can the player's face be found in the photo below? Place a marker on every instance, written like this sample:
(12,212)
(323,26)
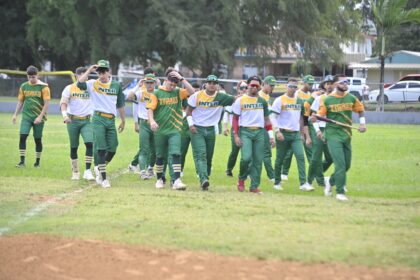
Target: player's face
(150,87)
(104,75)
(242,89)
(268,88)
(212,86)
(292,87)
(342,84)
(329,87)
(33,79)
(254,87)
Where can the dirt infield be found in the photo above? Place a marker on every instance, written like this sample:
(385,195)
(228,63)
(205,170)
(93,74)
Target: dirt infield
(47,257)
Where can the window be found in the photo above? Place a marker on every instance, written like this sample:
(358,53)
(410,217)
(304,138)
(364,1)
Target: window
(398,86)
(357,82)
(413,85)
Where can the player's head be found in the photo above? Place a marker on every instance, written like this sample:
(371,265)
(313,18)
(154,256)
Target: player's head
(212,83)
(196,87)
(308,82)
(292,85)
(103,70)
(254,85)
(340,82)
(268,84)
(80,70)
(171,80)
(241,88)
(150,82)
(328,83)
(32,73)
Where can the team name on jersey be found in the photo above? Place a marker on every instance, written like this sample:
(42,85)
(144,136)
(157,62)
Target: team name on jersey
(107,91)
(292,107)
(253,106)
(168,100)
(31,93)
(208,104)
(341,107)
(81,95)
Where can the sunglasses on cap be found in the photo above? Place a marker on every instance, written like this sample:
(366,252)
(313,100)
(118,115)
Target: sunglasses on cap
(345,82)
(292,86)
(212,82)
(253,86)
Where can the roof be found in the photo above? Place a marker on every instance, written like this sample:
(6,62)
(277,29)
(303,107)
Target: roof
(396,60)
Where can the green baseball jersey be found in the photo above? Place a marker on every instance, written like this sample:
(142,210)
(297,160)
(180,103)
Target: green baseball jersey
(339,108)
(33,97)
(167,107)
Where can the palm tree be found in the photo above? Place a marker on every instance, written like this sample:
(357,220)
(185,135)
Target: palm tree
(389,15)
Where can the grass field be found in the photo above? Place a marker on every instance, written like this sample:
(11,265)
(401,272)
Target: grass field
(380,226)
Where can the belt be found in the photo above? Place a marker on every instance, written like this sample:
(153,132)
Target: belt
(286,130)
(252,127)
(109,116)
(73,117)
(212,126)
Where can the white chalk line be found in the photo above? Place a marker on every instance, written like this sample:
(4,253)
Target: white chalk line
(52,201)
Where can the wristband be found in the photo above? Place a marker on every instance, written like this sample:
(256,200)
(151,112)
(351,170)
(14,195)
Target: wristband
(362,120)
(64,113)
(316,126)
(190,121)
(271,134)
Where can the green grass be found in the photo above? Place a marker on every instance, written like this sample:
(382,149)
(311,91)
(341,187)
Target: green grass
(380,226)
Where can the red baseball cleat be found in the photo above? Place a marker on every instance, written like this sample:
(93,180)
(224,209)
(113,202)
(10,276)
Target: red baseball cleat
(256,191)
(241,185)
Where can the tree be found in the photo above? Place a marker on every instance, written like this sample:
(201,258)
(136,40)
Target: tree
(389,15)
(15,51)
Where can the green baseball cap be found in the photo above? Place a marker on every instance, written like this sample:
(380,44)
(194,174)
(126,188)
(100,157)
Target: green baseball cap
(103,64)
(270,80)
(212,78)
(309,79)
(149,78)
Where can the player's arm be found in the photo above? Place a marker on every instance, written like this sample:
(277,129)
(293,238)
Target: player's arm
(46,96)
(359,108)
(151,107)
(190,120)
(65,99)
(121,109)
(19,106)
(184,82)
(85,76)
(225,121)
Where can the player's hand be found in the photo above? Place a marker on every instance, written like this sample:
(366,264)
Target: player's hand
(272,142)
(279,136)
(320,136)
(14,119)
(38,120)
(93,68)
(362,128)
(238,140)
(136,127)
(175,74)
(154,126)
(67,119)
(121,126)
(140,83)
(226,132)
(193,129)
(308,142)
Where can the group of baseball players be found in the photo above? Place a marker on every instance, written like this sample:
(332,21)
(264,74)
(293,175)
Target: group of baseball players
(174,114)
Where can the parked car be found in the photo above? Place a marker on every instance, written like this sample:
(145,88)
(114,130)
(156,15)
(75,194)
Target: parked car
(409,77)
(406,91)
(358,87)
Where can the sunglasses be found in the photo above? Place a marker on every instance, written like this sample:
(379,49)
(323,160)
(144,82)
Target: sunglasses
(243,88)
(345,82)
(253,86)
(292,86)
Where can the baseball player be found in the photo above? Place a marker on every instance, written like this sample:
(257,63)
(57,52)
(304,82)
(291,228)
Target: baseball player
(107,98)
(33,99)
(204,111)
(339,106)
(288,110)
(76,109)
(249,120)
(165,117)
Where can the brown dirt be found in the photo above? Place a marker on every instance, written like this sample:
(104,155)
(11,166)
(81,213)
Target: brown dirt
(47,257)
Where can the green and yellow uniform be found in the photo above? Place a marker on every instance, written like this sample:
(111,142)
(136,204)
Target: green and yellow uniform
(167,107)
(33,97)
(338,138)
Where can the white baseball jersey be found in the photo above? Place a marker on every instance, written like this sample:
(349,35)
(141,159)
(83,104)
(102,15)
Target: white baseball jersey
(251,111)
(77,100)
(208,109)
(105,97)
(287,111)
(315,107)
(143,97)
